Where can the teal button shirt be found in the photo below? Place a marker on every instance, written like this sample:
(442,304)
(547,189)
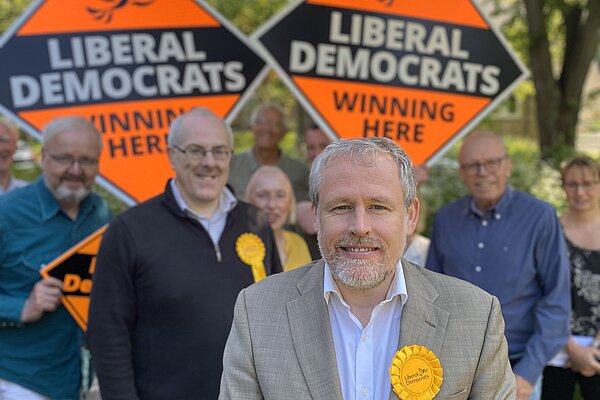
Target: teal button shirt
(42,356)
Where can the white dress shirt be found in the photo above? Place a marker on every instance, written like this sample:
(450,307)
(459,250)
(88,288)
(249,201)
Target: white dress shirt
(215,224)
(13,184)
(416,252)
(364,355)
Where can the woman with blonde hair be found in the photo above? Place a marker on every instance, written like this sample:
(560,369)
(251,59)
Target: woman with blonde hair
(578,362)
(270,190)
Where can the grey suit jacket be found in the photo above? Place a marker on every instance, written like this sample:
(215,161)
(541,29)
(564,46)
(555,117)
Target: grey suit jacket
(281,345)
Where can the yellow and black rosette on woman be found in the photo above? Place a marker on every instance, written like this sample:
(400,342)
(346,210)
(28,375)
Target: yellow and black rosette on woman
(416,373)
(251,250)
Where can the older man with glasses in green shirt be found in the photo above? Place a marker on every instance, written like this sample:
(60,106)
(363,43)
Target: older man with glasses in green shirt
(268,128)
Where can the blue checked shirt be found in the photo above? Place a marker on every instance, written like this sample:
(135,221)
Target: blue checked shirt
(516,252)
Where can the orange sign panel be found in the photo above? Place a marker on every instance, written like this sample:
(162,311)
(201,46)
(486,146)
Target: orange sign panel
(75,269)
(131,67)
(419,72)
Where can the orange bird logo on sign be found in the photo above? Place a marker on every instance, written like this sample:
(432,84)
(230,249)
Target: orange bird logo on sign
(388,3)
(107,13)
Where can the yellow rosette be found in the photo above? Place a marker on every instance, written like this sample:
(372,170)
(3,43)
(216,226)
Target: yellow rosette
(416,373)
(251,250)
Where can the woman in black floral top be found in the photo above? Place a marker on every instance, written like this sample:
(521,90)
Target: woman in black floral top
(577,363)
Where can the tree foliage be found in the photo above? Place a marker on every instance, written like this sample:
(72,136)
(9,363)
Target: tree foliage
(248,15)
(10,10)
(559,39)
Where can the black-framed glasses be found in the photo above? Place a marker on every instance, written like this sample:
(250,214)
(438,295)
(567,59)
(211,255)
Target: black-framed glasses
(199,153)
(585,185)
(492,165)
(67,161)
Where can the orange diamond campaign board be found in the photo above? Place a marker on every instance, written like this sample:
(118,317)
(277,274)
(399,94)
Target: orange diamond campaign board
(75,268)
(419,72)
(131,67)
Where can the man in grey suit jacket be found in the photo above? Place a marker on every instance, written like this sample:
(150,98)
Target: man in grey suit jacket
(362,323)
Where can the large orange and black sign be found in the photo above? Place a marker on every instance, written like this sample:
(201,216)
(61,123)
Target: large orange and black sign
(75,268)
(419,72)
(131,66)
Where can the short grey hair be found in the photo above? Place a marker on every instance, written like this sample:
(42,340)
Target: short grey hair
(62,124)
(262,108)
(364,152)
(175,129)
(10,127)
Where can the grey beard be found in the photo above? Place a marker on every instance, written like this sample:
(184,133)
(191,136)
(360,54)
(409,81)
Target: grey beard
(346,272)
(353,273)
(64,195)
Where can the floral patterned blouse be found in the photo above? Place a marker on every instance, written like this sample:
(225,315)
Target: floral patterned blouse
(585,290)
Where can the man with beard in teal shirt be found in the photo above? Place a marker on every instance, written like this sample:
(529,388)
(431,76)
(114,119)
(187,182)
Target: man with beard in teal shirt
(39,341)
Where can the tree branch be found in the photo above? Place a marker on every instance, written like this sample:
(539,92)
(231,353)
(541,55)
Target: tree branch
(581,50)
(546,86)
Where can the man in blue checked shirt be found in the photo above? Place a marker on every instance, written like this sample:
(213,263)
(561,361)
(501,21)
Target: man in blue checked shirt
(511,245)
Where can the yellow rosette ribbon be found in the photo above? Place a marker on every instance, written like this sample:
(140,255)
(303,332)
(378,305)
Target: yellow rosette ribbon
(251,250)
(416,373)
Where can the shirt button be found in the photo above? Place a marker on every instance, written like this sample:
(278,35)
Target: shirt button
(363,338)
(497,216)
(480,245)
(364,391)
(478,269)
(484,223)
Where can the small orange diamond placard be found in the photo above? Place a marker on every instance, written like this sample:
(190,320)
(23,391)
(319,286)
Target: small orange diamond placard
(75,268)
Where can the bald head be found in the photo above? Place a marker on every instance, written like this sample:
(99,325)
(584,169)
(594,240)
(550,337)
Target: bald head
(484,168)
(476,138)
